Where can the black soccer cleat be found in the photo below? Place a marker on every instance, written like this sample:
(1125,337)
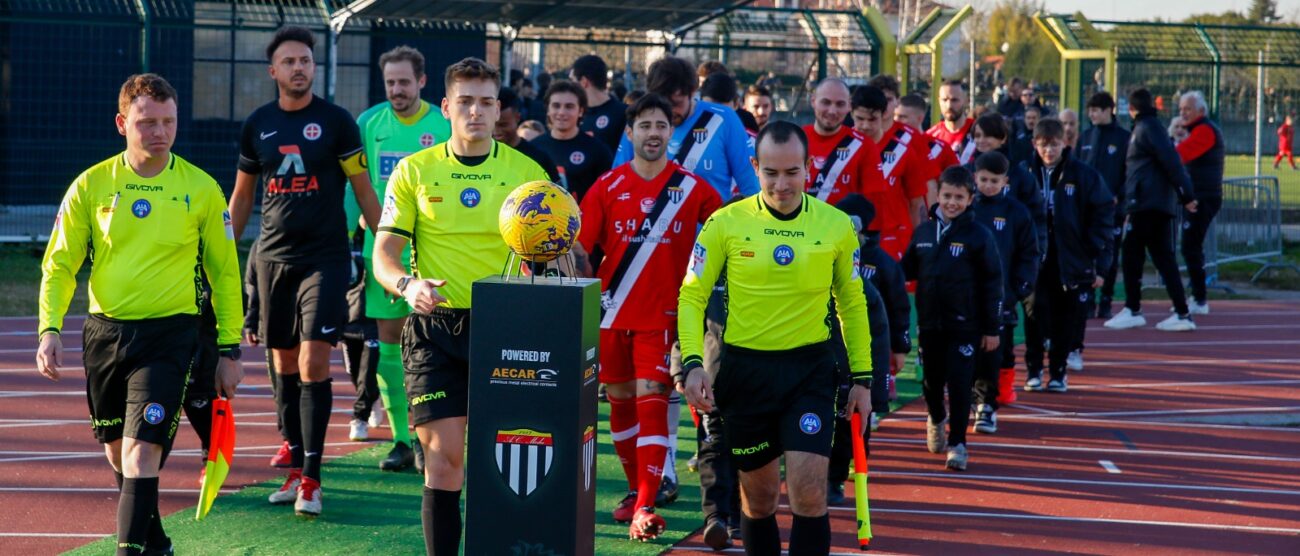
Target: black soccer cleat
(399,458)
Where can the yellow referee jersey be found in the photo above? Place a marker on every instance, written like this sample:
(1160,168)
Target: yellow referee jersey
(780,276)
(146,239)
(449,212)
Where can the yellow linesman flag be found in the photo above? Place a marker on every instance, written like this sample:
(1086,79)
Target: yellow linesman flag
(220,455)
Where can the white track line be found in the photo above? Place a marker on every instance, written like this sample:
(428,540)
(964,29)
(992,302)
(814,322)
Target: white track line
(1198,327)
(108,489)
(1182,384)
(1215,526)
(1148,343)
(1167,412)
(1050,481)
(1126,451)
(1197,361)
(705,548)
(1109,466)
(57,535)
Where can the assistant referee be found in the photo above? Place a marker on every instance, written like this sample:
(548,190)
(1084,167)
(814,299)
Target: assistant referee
(785,254)
(144,216)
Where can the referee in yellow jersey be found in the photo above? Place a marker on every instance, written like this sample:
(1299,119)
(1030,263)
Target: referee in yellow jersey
(444,200)
(144,217)
(785,254)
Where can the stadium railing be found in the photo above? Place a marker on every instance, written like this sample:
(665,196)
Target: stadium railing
(1249,226)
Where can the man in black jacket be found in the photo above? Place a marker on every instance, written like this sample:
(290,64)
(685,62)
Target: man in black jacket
(1155,185)
(1080,213)
(1104,147)
(1202,155)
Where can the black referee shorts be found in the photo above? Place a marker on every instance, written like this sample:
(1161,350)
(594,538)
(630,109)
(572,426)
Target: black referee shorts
(202,385)
(301,302)
(776,401)
(435,353)
(136,373)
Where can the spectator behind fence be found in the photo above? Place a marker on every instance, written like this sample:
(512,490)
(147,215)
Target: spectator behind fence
(1202,155)
(1285,137)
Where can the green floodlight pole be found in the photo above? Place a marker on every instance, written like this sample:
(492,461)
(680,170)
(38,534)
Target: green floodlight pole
(823,50)
(910,47)
(885,58)
(935,47)
(1072,54)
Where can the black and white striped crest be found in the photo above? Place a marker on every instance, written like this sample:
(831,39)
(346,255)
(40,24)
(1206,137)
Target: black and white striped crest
(524,459)
(588,457)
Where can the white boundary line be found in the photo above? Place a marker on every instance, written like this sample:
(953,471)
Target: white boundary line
(1138,452)
(1051,481)
(1215,526)
(1109,466)
(1196,361)
(108,489)
(1198,327)
(1183,384)
(57,535)
(1148,343)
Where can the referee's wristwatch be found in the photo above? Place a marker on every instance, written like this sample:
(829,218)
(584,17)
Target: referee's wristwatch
(863,382)
(231,353)
(401,284)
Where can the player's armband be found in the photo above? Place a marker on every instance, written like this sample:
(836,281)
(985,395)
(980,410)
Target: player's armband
(354,163)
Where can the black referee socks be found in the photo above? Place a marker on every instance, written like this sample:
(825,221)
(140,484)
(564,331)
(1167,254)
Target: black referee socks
(135,507)
(288,402)
(440,516)
(157,537)
(317,399)
(810,536)
(762,537)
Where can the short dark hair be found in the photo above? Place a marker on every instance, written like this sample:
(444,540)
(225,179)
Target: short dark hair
(993,162)
(633,95)
(719,87)
(565,86)
(886,83)
(913,100)
(758,91)
(1142,101)
(711,67)
(955,83)
(992,125)
(288,33)
(1017,81)
(671,75)
(404,54)
(1049,129)
(646,103)
(958,176)
(592,68)
(508,99)
(1033,108)
(139,85)
(471,68)
(781,132)
(870,98)
(1101,100)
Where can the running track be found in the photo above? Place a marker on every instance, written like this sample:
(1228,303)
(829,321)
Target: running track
(1038,486)
(1112,466)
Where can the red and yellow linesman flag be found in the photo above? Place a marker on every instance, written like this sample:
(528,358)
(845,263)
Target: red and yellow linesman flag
(220,455)
(860,482)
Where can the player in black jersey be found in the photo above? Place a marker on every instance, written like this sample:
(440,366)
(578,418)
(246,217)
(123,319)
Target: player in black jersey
(507,131)
(303,150)
(605,117)
(579,157)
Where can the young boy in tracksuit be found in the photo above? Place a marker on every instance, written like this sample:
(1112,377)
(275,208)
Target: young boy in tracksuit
(959,288)
(887,277)
(1017,239)
(1080,213)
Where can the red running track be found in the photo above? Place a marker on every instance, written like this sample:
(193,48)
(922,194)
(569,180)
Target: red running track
(1145,407)
(56,489)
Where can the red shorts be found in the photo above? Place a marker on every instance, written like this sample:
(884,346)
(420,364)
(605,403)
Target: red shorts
(627,355)
(895,242)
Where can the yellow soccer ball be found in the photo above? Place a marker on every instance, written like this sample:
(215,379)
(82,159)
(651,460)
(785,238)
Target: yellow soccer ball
(539,221)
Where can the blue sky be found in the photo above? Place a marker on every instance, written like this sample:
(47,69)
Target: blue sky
(1166,9)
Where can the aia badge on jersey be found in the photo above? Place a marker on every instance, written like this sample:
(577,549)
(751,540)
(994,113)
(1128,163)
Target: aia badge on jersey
(999,223)
(1069,190)
(470,197)
(576,158)
(311,131)
(524,459)
(154,413)
(141,208)
(783,255)
(956,249)
(701,134)
(810,423)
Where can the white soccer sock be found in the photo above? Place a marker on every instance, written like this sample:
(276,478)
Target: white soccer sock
(674,420)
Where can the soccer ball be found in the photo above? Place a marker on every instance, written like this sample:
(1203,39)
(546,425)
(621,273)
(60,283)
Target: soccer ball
(539,221)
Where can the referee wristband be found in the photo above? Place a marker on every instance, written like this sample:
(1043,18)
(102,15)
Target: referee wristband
(689,366)
(51,330)
(863,382)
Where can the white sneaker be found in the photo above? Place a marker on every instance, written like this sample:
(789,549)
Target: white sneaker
(1177,323)
(1074,361)
(289,491)
(1194,308)
(376,415)
(307,502)
(359,431)
(1125,320)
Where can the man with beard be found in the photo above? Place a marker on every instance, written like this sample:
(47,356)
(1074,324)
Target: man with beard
(304,150)
(955,127)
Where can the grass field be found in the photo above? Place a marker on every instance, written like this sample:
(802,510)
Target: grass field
(371,512)
(1288,179)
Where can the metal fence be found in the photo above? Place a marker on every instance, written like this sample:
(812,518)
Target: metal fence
(1249,226)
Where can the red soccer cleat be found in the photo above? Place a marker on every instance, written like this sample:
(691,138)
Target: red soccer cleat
(282,458)
(647,525)
(626,508)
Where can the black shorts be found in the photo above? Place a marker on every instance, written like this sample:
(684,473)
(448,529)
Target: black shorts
(202,385)
(435,353)
(301,302)
(776,401)
(135,375)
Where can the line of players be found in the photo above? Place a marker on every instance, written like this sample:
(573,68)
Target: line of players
(680,157)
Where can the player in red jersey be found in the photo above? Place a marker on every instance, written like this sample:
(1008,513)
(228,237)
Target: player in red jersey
(934,148)
(843,160)
(905,165)
(644,215)
(911,110)
(955,127)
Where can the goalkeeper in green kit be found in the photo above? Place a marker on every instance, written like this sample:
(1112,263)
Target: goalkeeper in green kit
(390,131)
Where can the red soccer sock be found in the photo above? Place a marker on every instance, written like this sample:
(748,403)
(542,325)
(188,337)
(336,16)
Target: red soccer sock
(623,428)
(651,446)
